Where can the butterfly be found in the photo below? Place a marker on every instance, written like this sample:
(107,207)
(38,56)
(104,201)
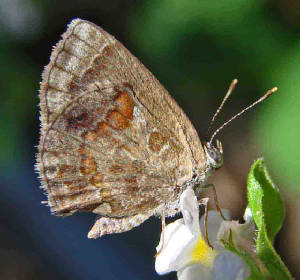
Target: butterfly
(113,141)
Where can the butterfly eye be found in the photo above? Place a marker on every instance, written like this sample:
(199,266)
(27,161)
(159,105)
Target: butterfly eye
(213,154)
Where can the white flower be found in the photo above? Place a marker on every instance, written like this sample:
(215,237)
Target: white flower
(185,249)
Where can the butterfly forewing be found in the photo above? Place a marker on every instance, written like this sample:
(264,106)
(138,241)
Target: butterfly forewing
(113,141)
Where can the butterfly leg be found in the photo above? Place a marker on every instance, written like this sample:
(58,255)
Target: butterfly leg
(163,225)
(204,201)
(198,190)
(106,225)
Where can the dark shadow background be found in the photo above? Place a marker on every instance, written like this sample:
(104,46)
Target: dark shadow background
(195,48)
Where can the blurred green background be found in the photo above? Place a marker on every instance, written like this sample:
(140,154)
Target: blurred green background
(195,48)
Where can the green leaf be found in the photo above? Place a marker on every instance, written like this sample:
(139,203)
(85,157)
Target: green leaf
(268,213)
(256,273)
(264,200)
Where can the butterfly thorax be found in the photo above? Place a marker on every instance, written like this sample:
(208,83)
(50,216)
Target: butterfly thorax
(214,160)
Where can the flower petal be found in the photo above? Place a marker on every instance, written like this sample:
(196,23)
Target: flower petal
(214,222)
(190,211)
(181,238)
(230,266)
(248,217)
(202,253)
(243,235)
(178,243)
(194,272)
(183,242)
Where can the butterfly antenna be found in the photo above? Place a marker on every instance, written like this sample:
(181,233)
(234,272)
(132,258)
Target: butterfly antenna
(229,91)
(268,93)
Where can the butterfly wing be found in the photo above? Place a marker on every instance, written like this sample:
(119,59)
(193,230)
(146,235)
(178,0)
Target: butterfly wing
(113,141)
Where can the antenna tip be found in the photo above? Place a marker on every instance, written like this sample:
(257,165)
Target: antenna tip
(269,92)
(231,88)
(274,89)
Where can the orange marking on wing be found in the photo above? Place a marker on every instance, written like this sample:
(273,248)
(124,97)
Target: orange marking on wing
(156,141)
(88,165)
(91,136)
(125,104)
(117,121)
(117,169)
(105,193)
(103,129)
(64,168)
(68,183)
(59,174)
(108,51)
(82,149)
(97,180)
(131,180)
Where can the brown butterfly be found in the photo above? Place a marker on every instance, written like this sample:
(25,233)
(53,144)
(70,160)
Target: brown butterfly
(113,141)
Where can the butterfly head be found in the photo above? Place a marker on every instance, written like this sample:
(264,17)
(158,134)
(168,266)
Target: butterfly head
(214,154)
